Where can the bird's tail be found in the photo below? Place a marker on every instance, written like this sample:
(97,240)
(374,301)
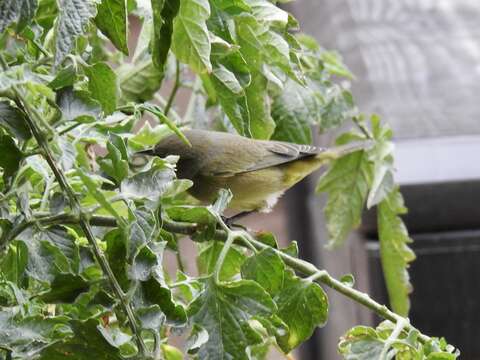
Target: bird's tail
(336,152)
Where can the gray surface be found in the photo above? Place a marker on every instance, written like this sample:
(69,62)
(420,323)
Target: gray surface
(417,62)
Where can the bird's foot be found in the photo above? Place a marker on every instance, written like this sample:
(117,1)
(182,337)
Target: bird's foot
(230,221)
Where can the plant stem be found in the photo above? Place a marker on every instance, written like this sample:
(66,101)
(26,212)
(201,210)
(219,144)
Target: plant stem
(32,118)
(175,88)
(299,265)
(358,122)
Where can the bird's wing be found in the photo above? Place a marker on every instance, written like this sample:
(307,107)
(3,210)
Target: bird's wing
(282,152)
(274,153)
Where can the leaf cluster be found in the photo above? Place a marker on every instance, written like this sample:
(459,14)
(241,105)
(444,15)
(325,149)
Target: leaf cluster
(80,213)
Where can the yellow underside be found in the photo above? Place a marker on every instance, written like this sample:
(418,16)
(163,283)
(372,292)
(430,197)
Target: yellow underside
(255,190)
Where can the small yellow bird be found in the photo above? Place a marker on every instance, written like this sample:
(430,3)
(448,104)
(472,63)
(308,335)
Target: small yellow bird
(256,171)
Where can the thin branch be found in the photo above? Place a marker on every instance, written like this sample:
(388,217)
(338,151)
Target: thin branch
(175,88)
(357,121)
(32,118)
(300,266)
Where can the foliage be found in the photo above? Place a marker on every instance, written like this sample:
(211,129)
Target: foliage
(84,227)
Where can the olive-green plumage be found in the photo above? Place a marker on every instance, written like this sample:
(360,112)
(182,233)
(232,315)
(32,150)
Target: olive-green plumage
(256,171)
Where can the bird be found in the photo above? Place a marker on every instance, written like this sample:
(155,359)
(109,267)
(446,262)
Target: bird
(257,172)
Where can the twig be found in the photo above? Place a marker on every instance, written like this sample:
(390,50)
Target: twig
(362,127)
(300,266)
(32,117)
(175,88)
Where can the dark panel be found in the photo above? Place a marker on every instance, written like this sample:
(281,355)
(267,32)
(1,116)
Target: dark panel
(446,297)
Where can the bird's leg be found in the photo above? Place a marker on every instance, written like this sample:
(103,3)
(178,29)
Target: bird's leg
(231,220)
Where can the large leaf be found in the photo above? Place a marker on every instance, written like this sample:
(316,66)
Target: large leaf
(233,104)
(361,343)
(14,264)
(102,84)
(259,44)
(382,157)
(302,305)
(89,341)
(223,310)
(28,336)
(77,105)
(208,258)
(11,156)
(139,81)
(365,343)
(394,251)
(191,43)
(164,13)
(96,192)
(115,163)
(150,183)
(295,110)
(19,11)
(267,269)
(13,121)
(72,22)
(65,288)
(51,251)
(347,183)
(112,20)
(261,122)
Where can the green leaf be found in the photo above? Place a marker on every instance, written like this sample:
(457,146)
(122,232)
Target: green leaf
(77,105)
(233,104)
(150,183)
(224,310)
(148,136)
(208,257)
(259,44)
(50,252)
(117,255)
(164,12)
(267,12)
(191,43)
(334,65)
(102,84)
(191,214)
(71,23)
(12,120)
(17,11)
(139,81)
(87,342)
(232,6)
(65,288)
(65,77)
(261,122)
(394,251)
(295,110)
(171,353)
(155,110)
(347,183)
(361,343)
(156,292)
(93,189)
(11,156)
(112,21)
(382,156)
(115,163)
(267,269)
(302,305)
(28,336)
(337,106)
(14,264)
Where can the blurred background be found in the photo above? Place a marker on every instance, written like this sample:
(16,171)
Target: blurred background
(417,64)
